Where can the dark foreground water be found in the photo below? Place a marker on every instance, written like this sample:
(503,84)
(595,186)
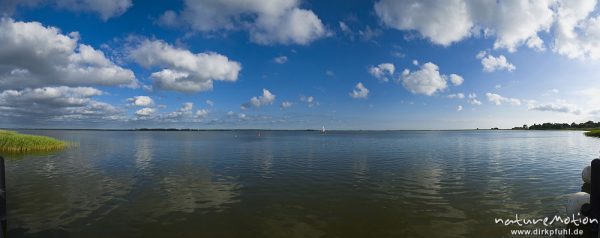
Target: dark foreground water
(293,184)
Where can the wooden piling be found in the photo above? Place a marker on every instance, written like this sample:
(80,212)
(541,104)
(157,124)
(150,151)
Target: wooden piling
(2,199)
(595,194)
(3,226)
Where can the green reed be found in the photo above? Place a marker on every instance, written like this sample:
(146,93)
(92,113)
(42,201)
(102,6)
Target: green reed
(595,133)
(14,142)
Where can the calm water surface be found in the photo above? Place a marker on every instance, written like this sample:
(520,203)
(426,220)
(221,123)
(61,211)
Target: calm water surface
(293,184)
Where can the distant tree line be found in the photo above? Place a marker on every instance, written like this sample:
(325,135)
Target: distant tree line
(559,126)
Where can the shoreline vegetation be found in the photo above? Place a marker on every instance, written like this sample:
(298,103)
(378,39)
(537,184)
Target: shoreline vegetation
(585,126)
(13,142)
(594,133)
(592,128)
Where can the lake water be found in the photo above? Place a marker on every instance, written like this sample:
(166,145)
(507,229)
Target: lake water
(293,183)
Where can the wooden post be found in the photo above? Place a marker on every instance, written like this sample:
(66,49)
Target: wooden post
(3,227)
(595,194)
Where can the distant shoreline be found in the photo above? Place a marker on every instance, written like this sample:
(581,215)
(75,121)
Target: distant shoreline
(566,129)
(258,129)
(585,126)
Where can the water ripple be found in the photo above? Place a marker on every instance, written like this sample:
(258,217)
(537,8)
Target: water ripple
(305,184)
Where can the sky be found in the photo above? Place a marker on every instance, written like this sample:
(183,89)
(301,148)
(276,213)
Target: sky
(298,64)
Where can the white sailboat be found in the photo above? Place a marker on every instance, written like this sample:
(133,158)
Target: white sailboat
(323,130)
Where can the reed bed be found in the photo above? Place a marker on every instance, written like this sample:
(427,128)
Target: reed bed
(595,133)
(14,142)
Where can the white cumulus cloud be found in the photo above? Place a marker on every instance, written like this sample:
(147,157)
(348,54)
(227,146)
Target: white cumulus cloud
(141,101)
(267,98)
(280,59)
(286,104)
(33,55)
(560,106)
(202,113)
(384,72)
(456,95)
(511,22)
(267,21)
(57,104)
(456,79)
(427,80)
(185,111)
(577,30)
(182,70)
(145,112)
(442,22)
(498,99)
(473,99)
(310,100)
(360,91)
(492,63)
(183,114)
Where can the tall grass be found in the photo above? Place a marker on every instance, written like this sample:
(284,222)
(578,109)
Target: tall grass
(595,133)
(11,141)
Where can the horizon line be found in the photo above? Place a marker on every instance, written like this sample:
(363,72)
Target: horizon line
(243,129)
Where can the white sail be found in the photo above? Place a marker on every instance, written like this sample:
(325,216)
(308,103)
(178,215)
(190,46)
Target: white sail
(323,130)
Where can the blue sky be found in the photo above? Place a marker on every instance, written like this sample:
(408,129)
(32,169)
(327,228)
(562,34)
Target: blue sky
(290,64)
